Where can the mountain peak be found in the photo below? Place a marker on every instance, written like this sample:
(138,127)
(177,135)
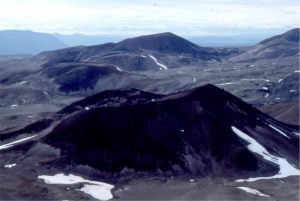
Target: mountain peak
(191,132)
(290,36)
(164,42)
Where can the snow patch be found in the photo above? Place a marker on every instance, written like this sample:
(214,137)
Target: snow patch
(62,179)
(227,83)
(279,80)
(265,88)
(5,146)
(212,60)
(192,180)
(293,90)
(296,133)
(253,191)
(118,68)
(285,168)
(194,79)
(279,131)
(182,130)
(87,108)
(267,95)
(10,165)
(14,105)
(21,83)
(98,190)
(159,64)
(250,79)
(253,50)
(297,71)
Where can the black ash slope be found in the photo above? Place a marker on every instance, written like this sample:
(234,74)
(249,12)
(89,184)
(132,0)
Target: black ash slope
(111,98)
(189,132)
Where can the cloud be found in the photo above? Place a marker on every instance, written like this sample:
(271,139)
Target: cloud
(142,17)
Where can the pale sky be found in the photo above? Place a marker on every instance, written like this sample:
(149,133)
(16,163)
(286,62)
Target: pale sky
(133,17)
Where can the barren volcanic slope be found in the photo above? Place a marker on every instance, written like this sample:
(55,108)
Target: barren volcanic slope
(163,63)
(152,62)
(283,45)
(116,136)
(139,54)
(142,53)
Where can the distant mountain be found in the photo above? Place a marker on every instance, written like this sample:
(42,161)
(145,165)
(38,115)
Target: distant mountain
(161,43)
(283,45)
(225,41)
(14,56)
(289,36)
(27,42)
(160,63)
(209,41)
(164,43)
(92,68)
(151,52)
(81,39)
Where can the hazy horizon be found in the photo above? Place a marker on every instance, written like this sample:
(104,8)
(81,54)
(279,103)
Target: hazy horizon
(77,39)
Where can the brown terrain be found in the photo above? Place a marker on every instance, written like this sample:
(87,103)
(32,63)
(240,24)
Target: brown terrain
(285,112)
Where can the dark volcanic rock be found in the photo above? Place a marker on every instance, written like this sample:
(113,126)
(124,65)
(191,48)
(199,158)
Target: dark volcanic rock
(77,76)
(189,132)
(19,96)
(111,98)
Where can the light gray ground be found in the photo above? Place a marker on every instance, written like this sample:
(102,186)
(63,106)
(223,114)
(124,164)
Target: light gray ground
(208,189)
